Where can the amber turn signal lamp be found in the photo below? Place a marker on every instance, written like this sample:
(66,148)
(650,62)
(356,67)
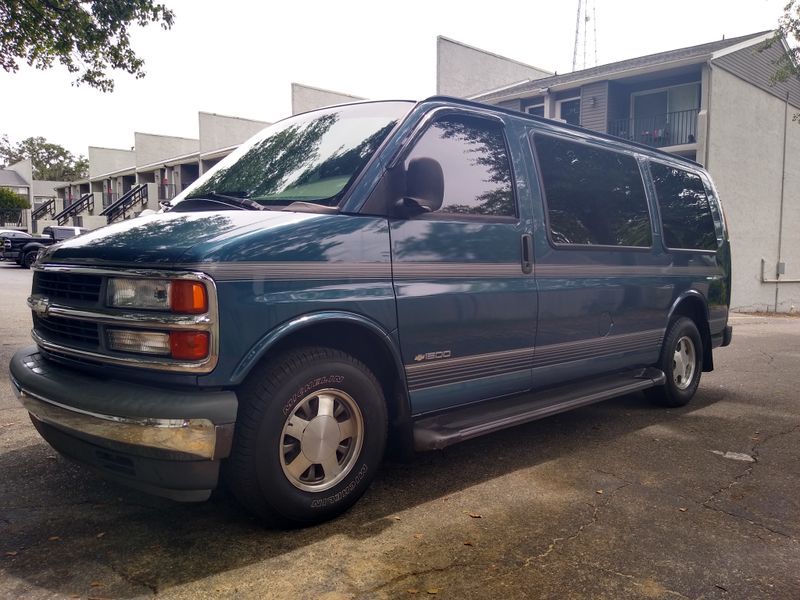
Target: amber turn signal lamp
(188,345)
(188,297)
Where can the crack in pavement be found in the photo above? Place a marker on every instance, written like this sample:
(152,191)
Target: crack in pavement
(398,578)
(580,529)
(746,473)
(632,578)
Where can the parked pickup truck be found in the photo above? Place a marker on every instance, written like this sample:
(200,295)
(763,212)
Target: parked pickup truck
(23,250)
(382,272)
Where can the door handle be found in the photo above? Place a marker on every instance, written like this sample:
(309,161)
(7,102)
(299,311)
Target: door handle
(527,253)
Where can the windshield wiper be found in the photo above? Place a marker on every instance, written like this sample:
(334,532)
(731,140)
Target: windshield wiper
(232,200)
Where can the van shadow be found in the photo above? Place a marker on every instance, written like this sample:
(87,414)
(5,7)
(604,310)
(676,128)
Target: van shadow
(68,527)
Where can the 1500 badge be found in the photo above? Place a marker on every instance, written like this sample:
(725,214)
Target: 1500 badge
(432,355)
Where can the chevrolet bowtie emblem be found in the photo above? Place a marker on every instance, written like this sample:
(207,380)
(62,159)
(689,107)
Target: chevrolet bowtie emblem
(40,306)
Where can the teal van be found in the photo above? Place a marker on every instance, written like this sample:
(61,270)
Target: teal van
(382,272)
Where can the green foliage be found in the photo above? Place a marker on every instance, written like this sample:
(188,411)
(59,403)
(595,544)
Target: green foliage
(788,66)
(11,199)
(88,37)
(50,161)
(10,204)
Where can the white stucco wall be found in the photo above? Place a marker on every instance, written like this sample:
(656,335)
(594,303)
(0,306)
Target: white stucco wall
(152,148)
(306,97)
(746,160)
(108,160)
(462,70)
(220,131)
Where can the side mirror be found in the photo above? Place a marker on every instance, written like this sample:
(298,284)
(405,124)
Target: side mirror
(424,187)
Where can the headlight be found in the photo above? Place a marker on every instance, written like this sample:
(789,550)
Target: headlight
(179,295)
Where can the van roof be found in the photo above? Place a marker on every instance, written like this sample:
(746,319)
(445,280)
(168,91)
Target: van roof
(561,125)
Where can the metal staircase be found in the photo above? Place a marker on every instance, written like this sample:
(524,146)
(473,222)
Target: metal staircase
(123,208)
(48,208)
(85,202)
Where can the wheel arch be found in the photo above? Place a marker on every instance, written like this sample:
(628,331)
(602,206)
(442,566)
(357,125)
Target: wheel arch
(355,334)
(32,246)
(693,305)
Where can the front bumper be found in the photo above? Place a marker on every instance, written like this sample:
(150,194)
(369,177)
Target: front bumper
(164,441)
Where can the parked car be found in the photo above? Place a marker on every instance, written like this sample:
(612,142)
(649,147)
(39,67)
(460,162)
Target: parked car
(23,250)
(416,272)
(10,233)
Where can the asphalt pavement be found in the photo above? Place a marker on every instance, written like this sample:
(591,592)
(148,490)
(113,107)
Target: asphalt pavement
(617,500)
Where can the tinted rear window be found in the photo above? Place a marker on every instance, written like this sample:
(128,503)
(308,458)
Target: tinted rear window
(685,212)
(594,196)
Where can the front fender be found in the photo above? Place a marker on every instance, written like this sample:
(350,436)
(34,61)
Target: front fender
(301,322)
(32,246)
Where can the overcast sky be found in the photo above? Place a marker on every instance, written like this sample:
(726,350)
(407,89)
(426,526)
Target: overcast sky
(239,57)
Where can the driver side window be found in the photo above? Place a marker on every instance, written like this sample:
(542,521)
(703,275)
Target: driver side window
(474,159)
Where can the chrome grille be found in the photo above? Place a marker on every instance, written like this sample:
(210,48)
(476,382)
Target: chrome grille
(70,317)
(67,286)
(68,331)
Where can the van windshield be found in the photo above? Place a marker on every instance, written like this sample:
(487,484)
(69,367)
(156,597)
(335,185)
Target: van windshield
(311,157)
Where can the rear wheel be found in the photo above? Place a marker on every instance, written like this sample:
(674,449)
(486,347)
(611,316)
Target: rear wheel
(310,435)
(682,363)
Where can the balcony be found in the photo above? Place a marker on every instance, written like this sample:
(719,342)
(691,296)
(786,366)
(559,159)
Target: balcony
(668,129)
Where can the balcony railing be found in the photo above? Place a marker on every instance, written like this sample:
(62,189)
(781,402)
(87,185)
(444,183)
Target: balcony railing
(85,202)
(668,129)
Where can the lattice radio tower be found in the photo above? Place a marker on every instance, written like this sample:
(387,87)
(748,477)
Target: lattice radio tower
(586,14)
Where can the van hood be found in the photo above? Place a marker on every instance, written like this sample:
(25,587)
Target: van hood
(163,239)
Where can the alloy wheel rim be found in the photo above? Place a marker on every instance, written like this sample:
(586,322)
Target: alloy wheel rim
(321,440)
(683,363)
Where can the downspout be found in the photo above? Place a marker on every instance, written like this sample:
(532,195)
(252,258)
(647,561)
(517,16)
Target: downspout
(708,115)
(783,190)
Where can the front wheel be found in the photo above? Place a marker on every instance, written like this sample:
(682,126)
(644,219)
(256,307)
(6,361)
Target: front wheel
(28,259)
(682,363)
(309,437)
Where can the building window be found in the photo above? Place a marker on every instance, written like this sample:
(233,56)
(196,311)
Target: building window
(685,213)
(594,196)
(569,111)
(474,159)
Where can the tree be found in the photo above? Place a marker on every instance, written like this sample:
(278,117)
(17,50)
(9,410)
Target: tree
(788,65)
(50,161)
(10,205)
(87,37)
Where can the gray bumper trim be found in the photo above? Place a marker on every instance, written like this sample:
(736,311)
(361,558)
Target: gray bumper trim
(195,435)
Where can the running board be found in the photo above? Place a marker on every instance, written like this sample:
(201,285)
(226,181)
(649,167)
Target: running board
(443,429)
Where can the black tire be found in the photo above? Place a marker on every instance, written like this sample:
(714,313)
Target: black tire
(28,259)
(264,452)
(682,339)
